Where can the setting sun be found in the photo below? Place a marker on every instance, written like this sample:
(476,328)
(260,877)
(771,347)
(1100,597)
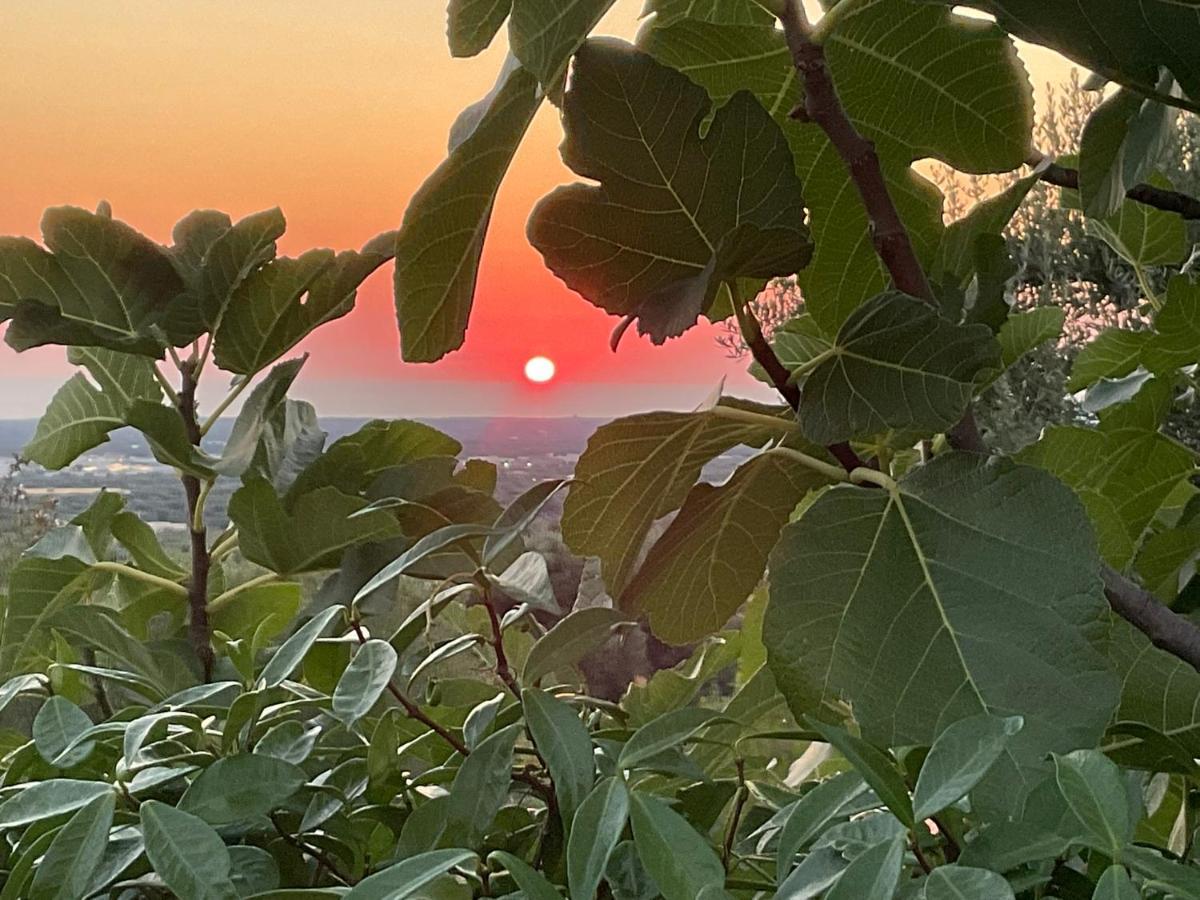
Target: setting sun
(539,369)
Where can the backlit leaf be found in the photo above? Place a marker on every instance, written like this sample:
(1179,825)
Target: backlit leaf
(674,214)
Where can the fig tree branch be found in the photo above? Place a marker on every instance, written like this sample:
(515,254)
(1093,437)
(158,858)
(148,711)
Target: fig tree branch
(1177,202)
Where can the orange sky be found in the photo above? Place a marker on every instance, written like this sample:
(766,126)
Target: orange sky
(335,112)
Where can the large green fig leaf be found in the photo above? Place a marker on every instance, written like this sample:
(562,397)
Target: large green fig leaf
(280,303)
(81,415)
(1124,42)
(50,577)
(676,213)
(353,462)
(1120,145)
(544,33)
(1132,469)
(916,80)
(713,553)
(471,24)
(1176,342)
(978,579)
(102,284)
(728,12)
(1158,691)
(895,364)
(640,468)
(214,256)
(307,536)
(441,240)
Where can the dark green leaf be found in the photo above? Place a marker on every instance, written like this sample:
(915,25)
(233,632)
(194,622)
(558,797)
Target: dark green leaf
(186,853)
(56,730)
(569,641)
(1176,341)
(680,860)
(675,214)
(1113,353)
(1025,331)
(865,585)
(959,758)
(441,240)
(1115,884)
(874,765)
(241,787)
(79,416)
(895,364)
(296,647)
(1095,790)
(810,814)
(481,785)
(532,883)
(564,744)
(65,872)
(472,24)
(671,729)
(308,537)
(639,468)
(594,832)
(714,552)
(961,882)
(1151,33)
(365,679)
(872,875)
(293,297)
(544,33)
(264,401)
(405,879)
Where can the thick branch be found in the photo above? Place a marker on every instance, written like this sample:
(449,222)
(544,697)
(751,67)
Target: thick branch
(822,107)
(1168,201)
(1165,628)
(199,629)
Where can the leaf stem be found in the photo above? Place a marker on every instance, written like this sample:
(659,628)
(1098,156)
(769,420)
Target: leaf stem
(220,602)
(749,417)
(224,404)
(317,854)
(165,384)
(830,471)
(138,575)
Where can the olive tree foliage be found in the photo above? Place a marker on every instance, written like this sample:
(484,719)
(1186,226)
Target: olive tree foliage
(964,670)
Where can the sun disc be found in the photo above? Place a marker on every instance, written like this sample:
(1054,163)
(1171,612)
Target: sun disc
(539,369)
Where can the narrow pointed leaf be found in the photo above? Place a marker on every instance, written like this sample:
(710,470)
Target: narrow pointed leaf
(65,872)
(681,862)
(565,744)
(959,758)
(407,878)
(871,876)
(595,831)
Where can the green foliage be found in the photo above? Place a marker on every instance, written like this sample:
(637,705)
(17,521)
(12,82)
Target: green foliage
(948,706)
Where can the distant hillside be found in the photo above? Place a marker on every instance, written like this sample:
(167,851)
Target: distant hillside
(480,436)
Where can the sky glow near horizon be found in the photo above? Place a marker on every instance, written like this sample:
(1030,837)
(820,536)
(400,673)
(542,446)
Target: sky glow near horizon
(336,113)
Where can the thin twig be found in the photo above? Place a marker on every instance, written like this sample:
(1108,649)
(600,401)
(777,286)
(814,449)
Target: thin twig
(411,709)
(502,667)
(316,853)
(739,804)
(1181,204)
